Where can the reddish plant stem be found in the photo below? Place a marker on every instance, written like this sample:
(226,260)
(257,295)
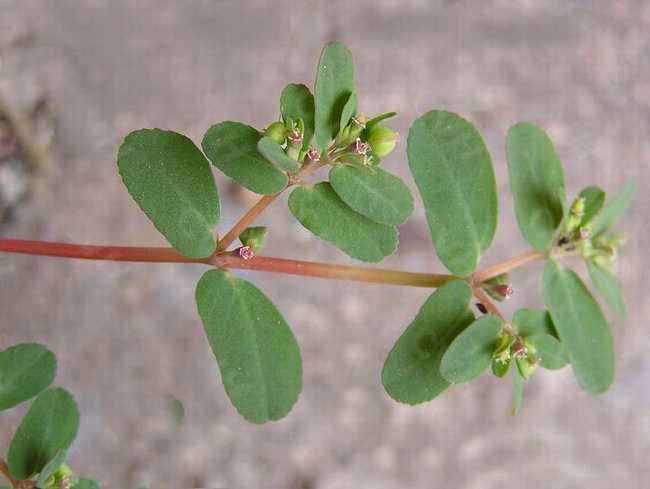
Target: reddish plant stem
(485,300)
(4,470)
(223,260)
(506,266)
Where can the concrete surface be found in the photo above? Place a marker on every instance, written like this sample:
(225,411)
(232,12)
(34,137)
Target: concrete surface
(128,336)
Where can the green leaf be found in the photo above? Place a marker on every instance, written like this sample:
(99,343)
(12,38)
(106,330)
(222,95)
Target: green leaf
(51,467)
(518,391)
(170,179)
(86,484)
(50,425)
(471,352)
(411,373)
(581,326)
(537,182)
(533,321)
(349,109)
(297,102)
(273,152)
(453,171)
(25,370)
(321,211)
(549,350)
(594,200)
(334,85)
(612,211)
(607,284)
(232,147)
(373,192)
(258,355)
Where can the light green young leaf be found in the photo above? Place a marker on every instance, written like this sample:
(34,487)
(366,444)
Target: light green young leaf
(232,147)
(25,370)
(453,171)
(612,211)
(349,109)
(518,391)
(549,350)
(471,352)
(273,152)
(411,373)
(581,326)
(373,192)
(258,355)
(50,425)
(607,284)
(594,200)
(321,211)
(170,179)
(334,85)
(537,182)
(533,321)
(51,467)
(297,102)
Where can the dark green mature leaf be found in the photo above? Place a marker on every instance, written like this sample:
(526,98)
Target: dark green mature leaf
(86,484)
(170,179)
(258,355)
(471,352)
(349,109)
(25,370)
(594,200)
(549,350)
(50,425)
(373,192)
(533,321)
(518,391)
(607,284)
(537,182)
(453,171)
(273,152)
(581,326)
(334,85)
(321,211)
(51,467)
(297,102)
(612,211)
(232,147)
(411,373)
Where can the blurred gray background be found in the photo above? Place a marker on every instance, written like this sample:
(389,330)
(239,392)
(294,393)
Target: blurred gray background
(127,335)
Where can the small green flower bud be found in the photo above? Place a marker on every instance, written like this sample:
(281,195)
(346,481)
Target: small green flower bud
(276,131)
(254,238)
(578,207)
(526,366)
(382,140)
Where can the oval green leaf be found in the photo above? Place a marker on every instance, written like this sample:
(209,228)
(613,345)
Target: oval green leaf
(170,179)
(581,326)
(471,352)
(258,355)
(323,213)
(334,85)
(373,192)
(537,182)
(594,201)
(533,321)
(51,467)
(232,147)
(549,350)
(607,284)
(612,211)
(25,370)
(297,102)
(50,425)
(411,373)
(349,109)
(453,171)
(273,152)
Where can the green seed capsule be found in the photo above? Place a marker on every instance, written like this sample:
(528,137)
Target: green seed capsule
(276,131)
(382,140)
(526,366)
(500,366)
